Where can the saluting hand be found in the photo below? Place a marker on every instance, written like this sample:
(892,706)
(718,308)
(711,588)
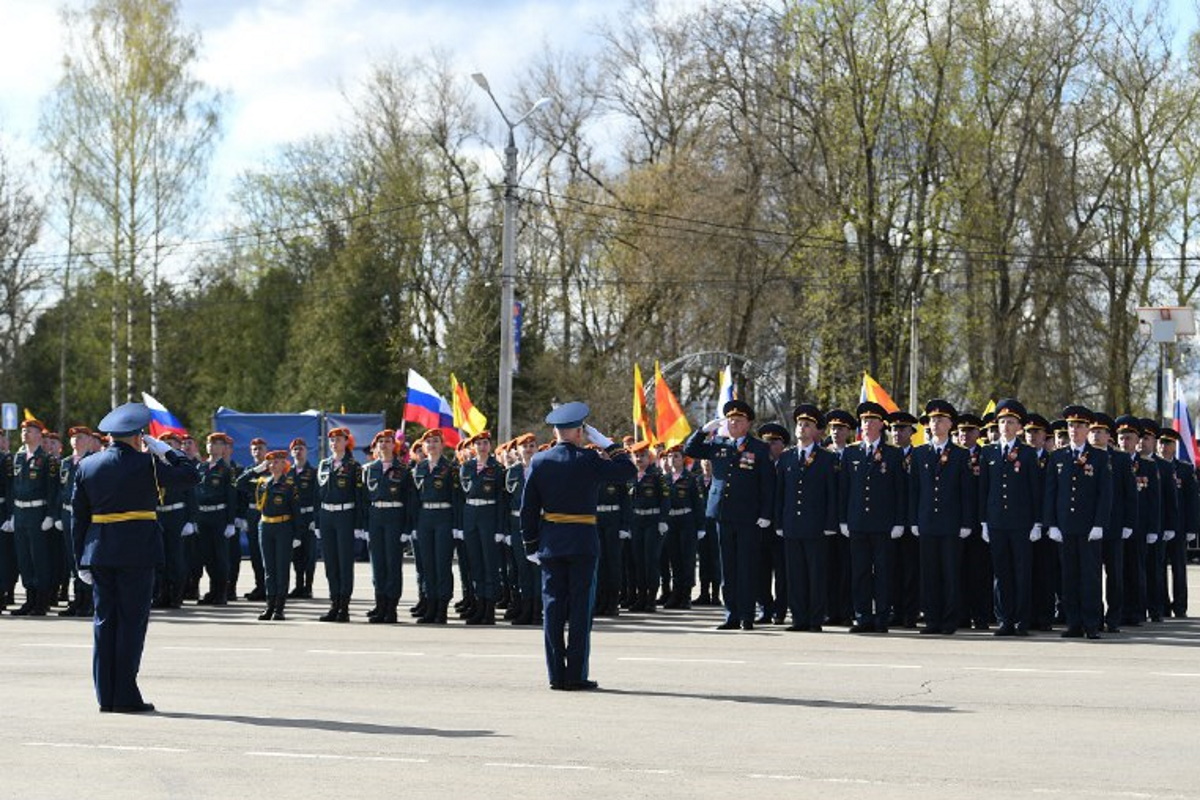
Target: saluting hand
(712,424)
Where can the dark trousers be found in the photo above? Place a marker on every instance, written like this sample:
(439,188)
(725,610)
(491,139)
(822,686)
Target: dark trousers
(871,580)
(1081,582)
(682,536)
(647,547)
(387,552)
(529,577)
(437,555)
(483,558)
(906,579)
(977,580)
(1176,558)
(568,591)
(708,553)
(1047,576)
(275,544)
(337,544)
(255,547)
(1156,579)
(174,569)
(807,568)
(608,579)
(34,555)
(213,550)
(8,561)
(1112,553)
(772,574)
(1135,579)
(739,568)
(838,595)
(233,548)
(941,579)
(122,597)
(1012,564)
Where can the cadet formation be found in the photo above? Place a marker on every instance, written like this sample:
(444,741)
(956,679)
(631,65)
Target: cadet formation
(1011,524)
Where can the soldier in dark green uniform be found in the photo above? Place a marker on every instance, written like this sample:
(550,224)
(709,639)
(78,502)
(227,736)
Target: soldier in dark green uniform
(482,481)
(216,499)
(278,505)
(33,499)
(438,512)
(304,557)
(389,490)
(342,517)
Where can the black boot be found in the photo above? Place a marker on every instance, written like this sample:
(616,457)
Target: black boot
(26,608)
(331,615)
(489,617)
(516,605)
(344,609)
(467,608)
(377,609)
(269,613)
(420,608)
(41,602)
(279,601)
(504,600)
(648,605)
(480,613)
(256,594)
(525,613)
(390,615)
(673,600)
(443,612)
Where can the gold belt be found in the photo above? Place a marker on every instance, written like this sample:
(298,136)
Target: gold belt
(280,518)
(569,519)
(124,516)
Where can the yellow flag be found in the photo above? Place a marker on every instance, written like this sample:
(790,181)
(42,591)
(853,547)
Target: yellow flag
(672,426)
(641,416)
(466,416)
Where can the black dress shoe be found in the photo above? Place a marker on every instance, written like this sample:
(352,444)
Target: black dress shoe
(140,708)
(981,626)
(949,631)
(558,686)
(880,629)
(1112,628)
(780,620)
(796,627)
(728,625)
(862,627)
(816,629)
(1072,633)
(582,686)
(747,625)
(927,631)
(1093,634)
(1020,631)
(1004,630)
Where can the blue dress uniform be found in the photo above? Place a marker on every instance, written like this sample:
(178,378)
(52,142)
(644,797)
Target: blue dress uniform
(528,579)
(977,609)
(1156,553)
(685,512)
(1187,522)
(33,499)
(872,496)
(116,538)
(840,602)
(558,526)
(1078,500)
(1121,525)
(906,551)
(216,504)
(1147,527)
(1009,505)
(941,505)
(772,568)
(438,513)
(342,511)
(747,498)
(389,490)
(248,517)
(81,605)
(278,505)
(483,487)
(614,514)
(651,507)
(176,507)
(1047,575)
(708,552)
(8,549)
(806,513)
(304,557)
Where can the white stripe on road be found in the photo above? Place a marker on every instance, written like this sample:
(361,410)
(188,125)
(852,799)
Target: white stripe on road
(682,660)
(220,649)
(499,655)
(332,757)
(127,748)
(87,646)
(1177,674)
(364,653)
(850,666)
(517,765)
(1032,671)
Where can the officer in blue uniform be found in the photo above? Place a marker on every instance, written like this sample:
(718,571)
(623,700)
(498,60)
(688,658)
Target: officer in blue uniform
(1147,524)
(1156,554)
(1009,507)
(216,505)
(304,557)
(8,550)
(708,551)
(614,521)
(1121,520)
(81,441)
(482,481)
(906,551)
(277,504)
(342,520)
(558,526)
(1175,599)
(175,508)
(438,513)
(840,604)
(118,543)
(529,590)
(1078,501)
(389,488)
(873,495)
(941,513)
(806,516)
(686,510)
(650,505)
(772,568)
(32,499)
(745,507)
(1046,572)
(977,609)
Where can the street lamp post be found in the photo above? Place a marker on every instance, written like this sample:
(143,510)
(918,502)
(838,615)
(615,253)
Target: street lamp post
(508,259)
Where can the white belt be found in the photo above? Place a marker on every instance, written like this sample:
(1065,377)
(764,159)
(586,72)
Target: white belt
(29,503)
(603,509)
(306,510)
(434,506)
(387,504)
(679,512)
(646,512)
(172,507)
(479,501)
(206,509)
(337,506)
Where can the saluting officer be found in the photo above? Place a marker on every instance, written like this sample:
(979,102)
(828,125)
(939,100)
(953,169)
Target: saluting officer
(1121,520)
(1009,506)
(745,507)
(806,516)
(438,512)
(941,513)
(389,490)
(342,519)
(482,481)
(558,523)
(216,501)
(32,500)
(873,494)
(304,557)
(1187,523)
(1077,504)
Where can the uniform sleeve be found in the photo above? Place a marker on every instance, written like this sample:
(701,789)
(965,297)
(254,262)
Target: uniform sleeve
(531,513)
(362,498)
(664,497)
(1128,485)
(1104,492)
(766,486)
(985,489)
(231,496)
(1153,497)
(458,498)
(780,489)
(901,489)
(53,488)
(1170,496)
(844,467)
(831,496)
(695,446)
(1191,500)
(1050,495)
(81,518)
(914,489)
(970,509)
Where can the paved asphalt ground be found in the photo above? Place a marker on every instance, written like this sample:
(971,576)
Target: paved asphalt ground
(308,709)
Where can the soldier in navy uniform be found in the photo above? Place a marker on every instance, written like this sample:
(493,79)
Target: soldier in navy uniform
(839,606)
(277,504)
(977,598)
(558,526)
(906,551)
(389,492)
(873,494)
(650,507)
(686,509)
(117,544)
(772,570)
(806,517)
(81,445)
(176,507)
(438,514)
(708,552)
(482,481)
(304,557)
(1156,555)
(744,509)
(216,505)
(342,519)
(1121,520)
(1187,522)
(1009,507)
(8,550)
(941,513)
(1046,572)
(1078,501)
(529,590)
(1147,524)
(32,500)
(258,450)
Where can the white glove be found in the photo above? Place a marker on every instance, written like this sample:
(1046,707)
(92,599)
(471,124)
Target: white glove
(499,537)
(1151,538)
(9,526)
(230,530)
(1191,538)
(916,531)
(534,558)
(844,528)
(664,527)
(964,533)
(701,533)
(413,535)
(405,538)
(1035,533)
(508,540)
(295,543)
(625,534)
(156,446)
(712,424)
(983,526)
(261,467)
(240,524)
(85,575)
(1055,534)
(1168,535)
(986,539)
(763,523)
(831,533)
(58,524)
(1126,533)
(779,532)
(188,529)
(312,526)
(457,534)
(897,531)
(47,523)
(597,438)
(1096,534)
(316,532)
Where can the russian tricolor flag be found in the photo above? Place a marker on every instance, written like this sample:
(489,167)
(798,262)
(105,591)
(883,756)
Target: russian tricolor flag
(424,406)
(161,420)
(1182,423)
